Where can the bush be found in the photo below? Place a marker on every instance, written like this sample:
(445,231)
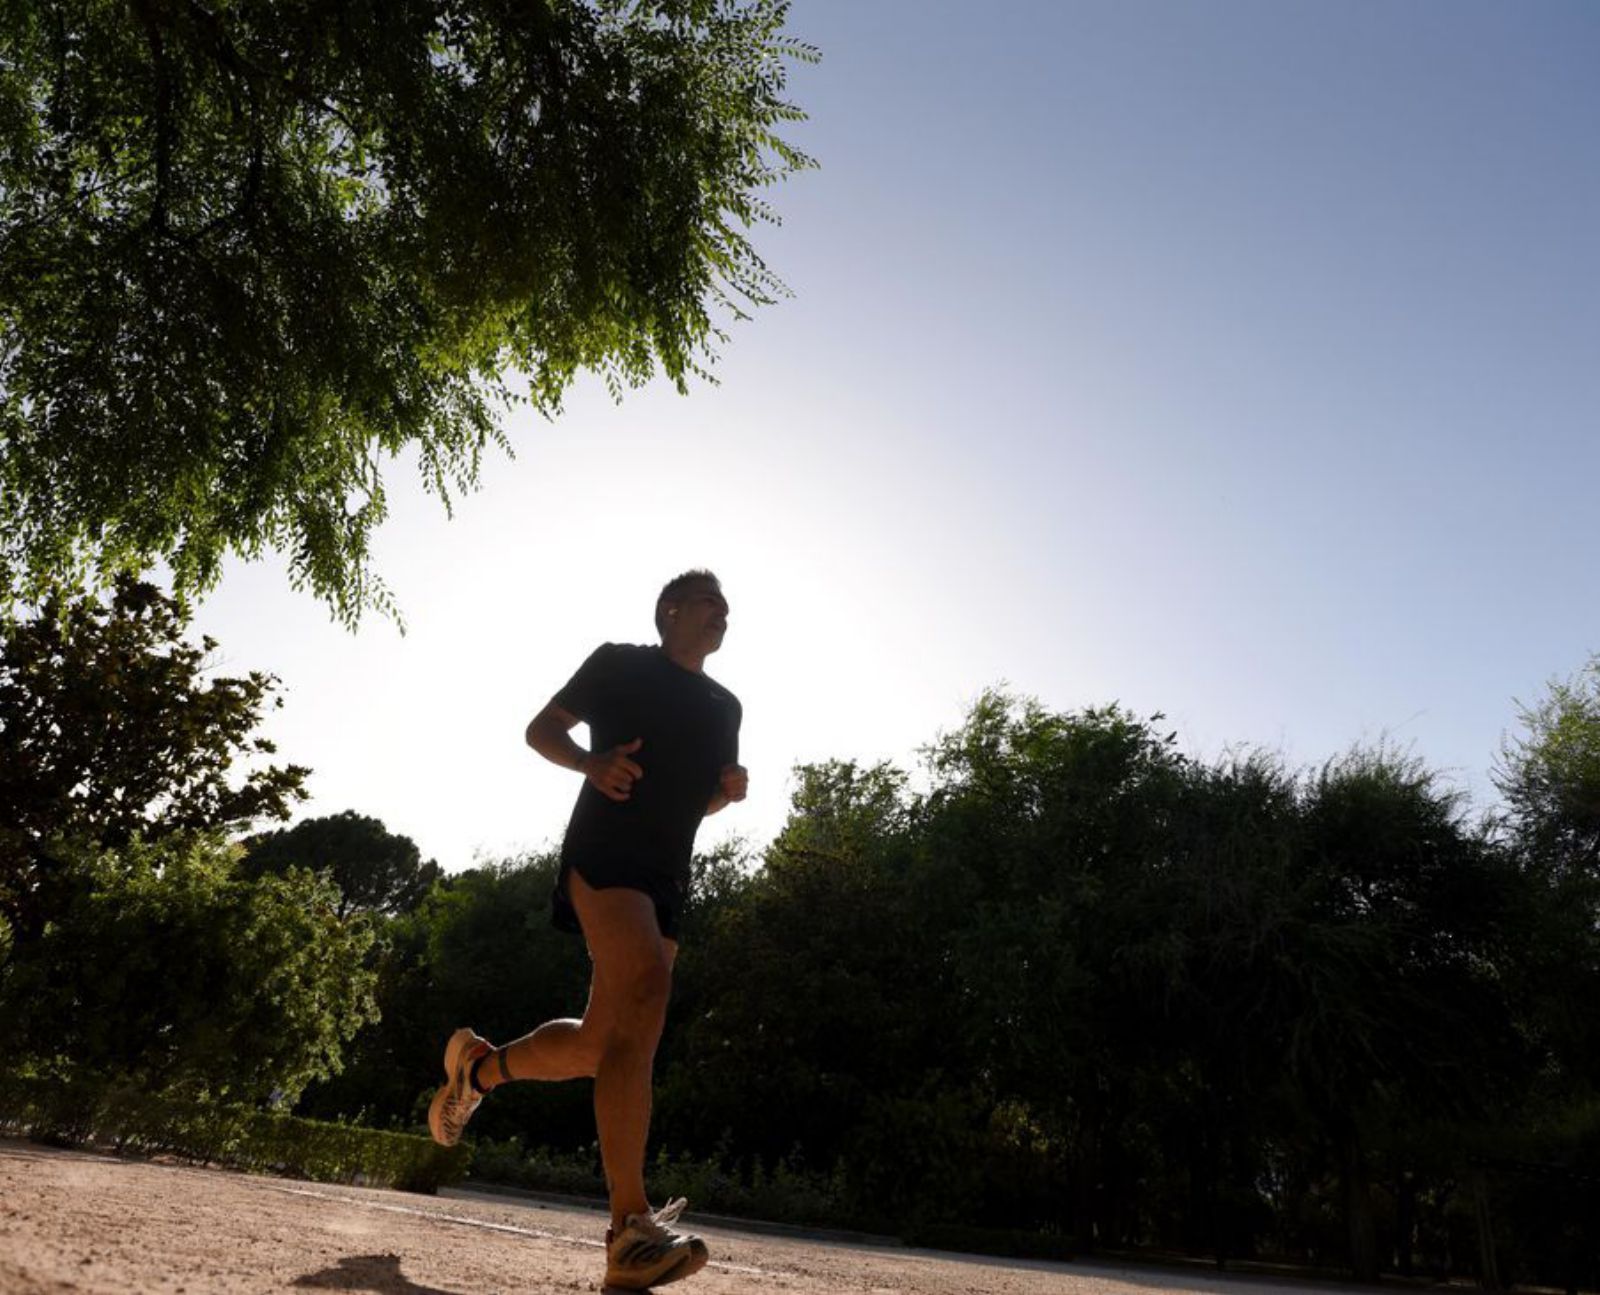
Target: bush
(784,1194)
(576,1173)
(160,950)
(131,1120)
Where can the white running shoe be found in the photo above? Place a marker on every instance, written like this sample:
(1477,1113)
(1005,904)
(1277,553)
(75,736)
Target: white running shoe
(649,1251)
(454,1103)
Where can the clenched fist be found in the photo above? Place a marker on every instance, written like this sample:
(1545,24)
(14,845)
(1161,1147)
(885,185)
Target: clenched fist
(735,782)
(612,772)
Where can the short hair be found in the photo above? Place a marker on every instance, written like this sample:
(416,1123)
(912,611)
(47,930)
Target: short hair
(673,591)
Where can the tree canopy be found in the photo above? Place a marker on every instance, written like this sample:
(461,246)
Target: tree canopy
(112,727)
(163,966)
(1549,775)
(248,252)
(376,870)
(131,941)
(1070,978)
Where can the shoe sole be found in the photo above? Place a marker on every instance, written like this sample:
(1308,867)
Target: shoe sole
(458,1041)
(693,1262)
(435,1128)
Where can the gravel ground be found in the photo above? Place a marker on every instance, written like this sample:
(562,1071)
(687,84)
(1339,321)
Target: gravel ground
(85,1222)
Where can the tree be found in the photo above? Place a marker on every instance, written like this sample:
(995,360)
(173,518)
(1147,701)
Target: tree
(1074,979)
(248,251)
(165,967)
(1550,776)
(110,728)
(1391,984)
(1061,825)
(787,1052)
(376,871)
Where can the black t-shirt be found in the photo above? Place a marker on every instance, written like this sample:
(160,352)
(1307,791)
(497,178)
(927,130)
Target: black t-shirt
(689,724)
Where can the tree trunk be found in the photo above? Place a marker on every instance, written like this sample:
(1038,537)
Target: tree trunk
(1085,1167)
(1362,1227)
(1405,1219)
(1205,1191)
(1488,1261)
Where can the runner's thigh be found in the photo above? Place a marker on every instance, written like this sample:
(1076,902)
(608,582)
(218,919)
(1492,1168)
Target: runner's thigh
(625,944)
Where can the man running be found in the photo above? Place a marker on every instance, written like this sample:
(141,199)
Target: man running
(664,749)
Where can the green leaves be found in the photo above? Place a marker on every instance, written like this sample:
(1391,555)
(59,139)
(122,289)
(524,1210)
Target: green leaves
(375,870)
(247,253)
(1550,776)
(162,965)
(110,726)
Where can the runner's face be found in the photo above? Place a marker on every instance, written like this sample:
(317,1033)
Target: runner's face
(701,619)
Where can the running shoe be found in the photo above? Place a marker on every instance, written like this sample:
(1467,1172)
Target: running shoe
(650,1251)
(454,1103)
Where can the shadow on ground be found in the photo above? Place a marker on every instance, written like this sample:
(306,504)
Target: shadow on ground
(379,1273)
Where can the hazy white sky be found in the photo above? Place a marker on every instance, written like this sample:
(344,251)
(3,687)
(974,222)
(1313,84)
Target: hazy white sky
(1235,360)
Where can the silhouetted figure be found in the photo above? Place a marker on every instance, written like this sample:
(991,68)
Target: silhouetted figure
(665,749)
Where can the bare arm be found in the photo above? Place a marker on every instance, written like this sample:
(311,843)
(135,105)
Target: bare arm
(550,734)
(612,772)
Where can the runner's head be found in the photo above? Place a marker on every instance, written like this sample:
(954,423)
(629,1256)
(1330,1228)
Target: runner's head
(692,613)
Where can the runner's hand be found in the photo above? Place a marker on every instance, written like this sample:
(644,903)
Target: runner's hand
(735,781)
(611,772)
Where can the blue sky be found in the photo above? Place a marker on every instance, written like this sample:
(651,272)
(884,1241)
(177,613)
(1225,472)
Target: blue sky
(1235,360)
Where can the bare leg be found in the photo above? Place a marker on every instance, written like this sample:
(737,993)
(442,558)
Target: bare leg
(628,1006)
(616,1040)
(565,1048)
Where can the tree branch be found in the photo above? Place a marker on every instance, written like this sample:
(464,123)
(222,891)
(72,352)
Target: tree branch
(163,72)
(227,53)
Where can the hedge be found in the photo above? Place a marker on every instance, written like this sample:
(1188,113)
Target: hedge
(783,1194)
(130,1120)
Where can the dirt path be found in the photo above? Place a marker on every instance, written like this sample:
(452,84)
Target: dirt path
(82,1222)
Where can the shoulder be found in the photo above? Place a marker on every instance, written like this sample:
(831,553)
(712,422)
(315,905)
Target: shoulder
(723,696)
(628,651)
(605,668)
(620,655)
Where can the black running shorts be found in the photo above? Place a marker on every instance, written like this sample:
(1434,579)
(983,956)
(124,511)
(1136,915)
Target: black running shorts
(667,890)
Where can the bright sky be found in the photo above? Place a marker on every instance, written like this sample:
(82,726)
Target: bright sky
(1235,360)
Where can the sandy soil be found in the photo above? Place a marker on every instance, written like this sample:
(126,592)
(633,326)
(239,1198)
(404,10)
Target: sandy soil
(83,1222)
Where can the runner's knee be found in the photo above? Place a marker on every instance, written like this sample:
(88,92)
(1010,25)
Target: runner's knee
(645,991)
(651,984)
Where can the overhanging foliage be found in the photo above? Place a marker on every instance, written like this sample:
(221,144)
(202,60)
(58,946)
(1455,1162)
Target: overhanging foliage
(249,252)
